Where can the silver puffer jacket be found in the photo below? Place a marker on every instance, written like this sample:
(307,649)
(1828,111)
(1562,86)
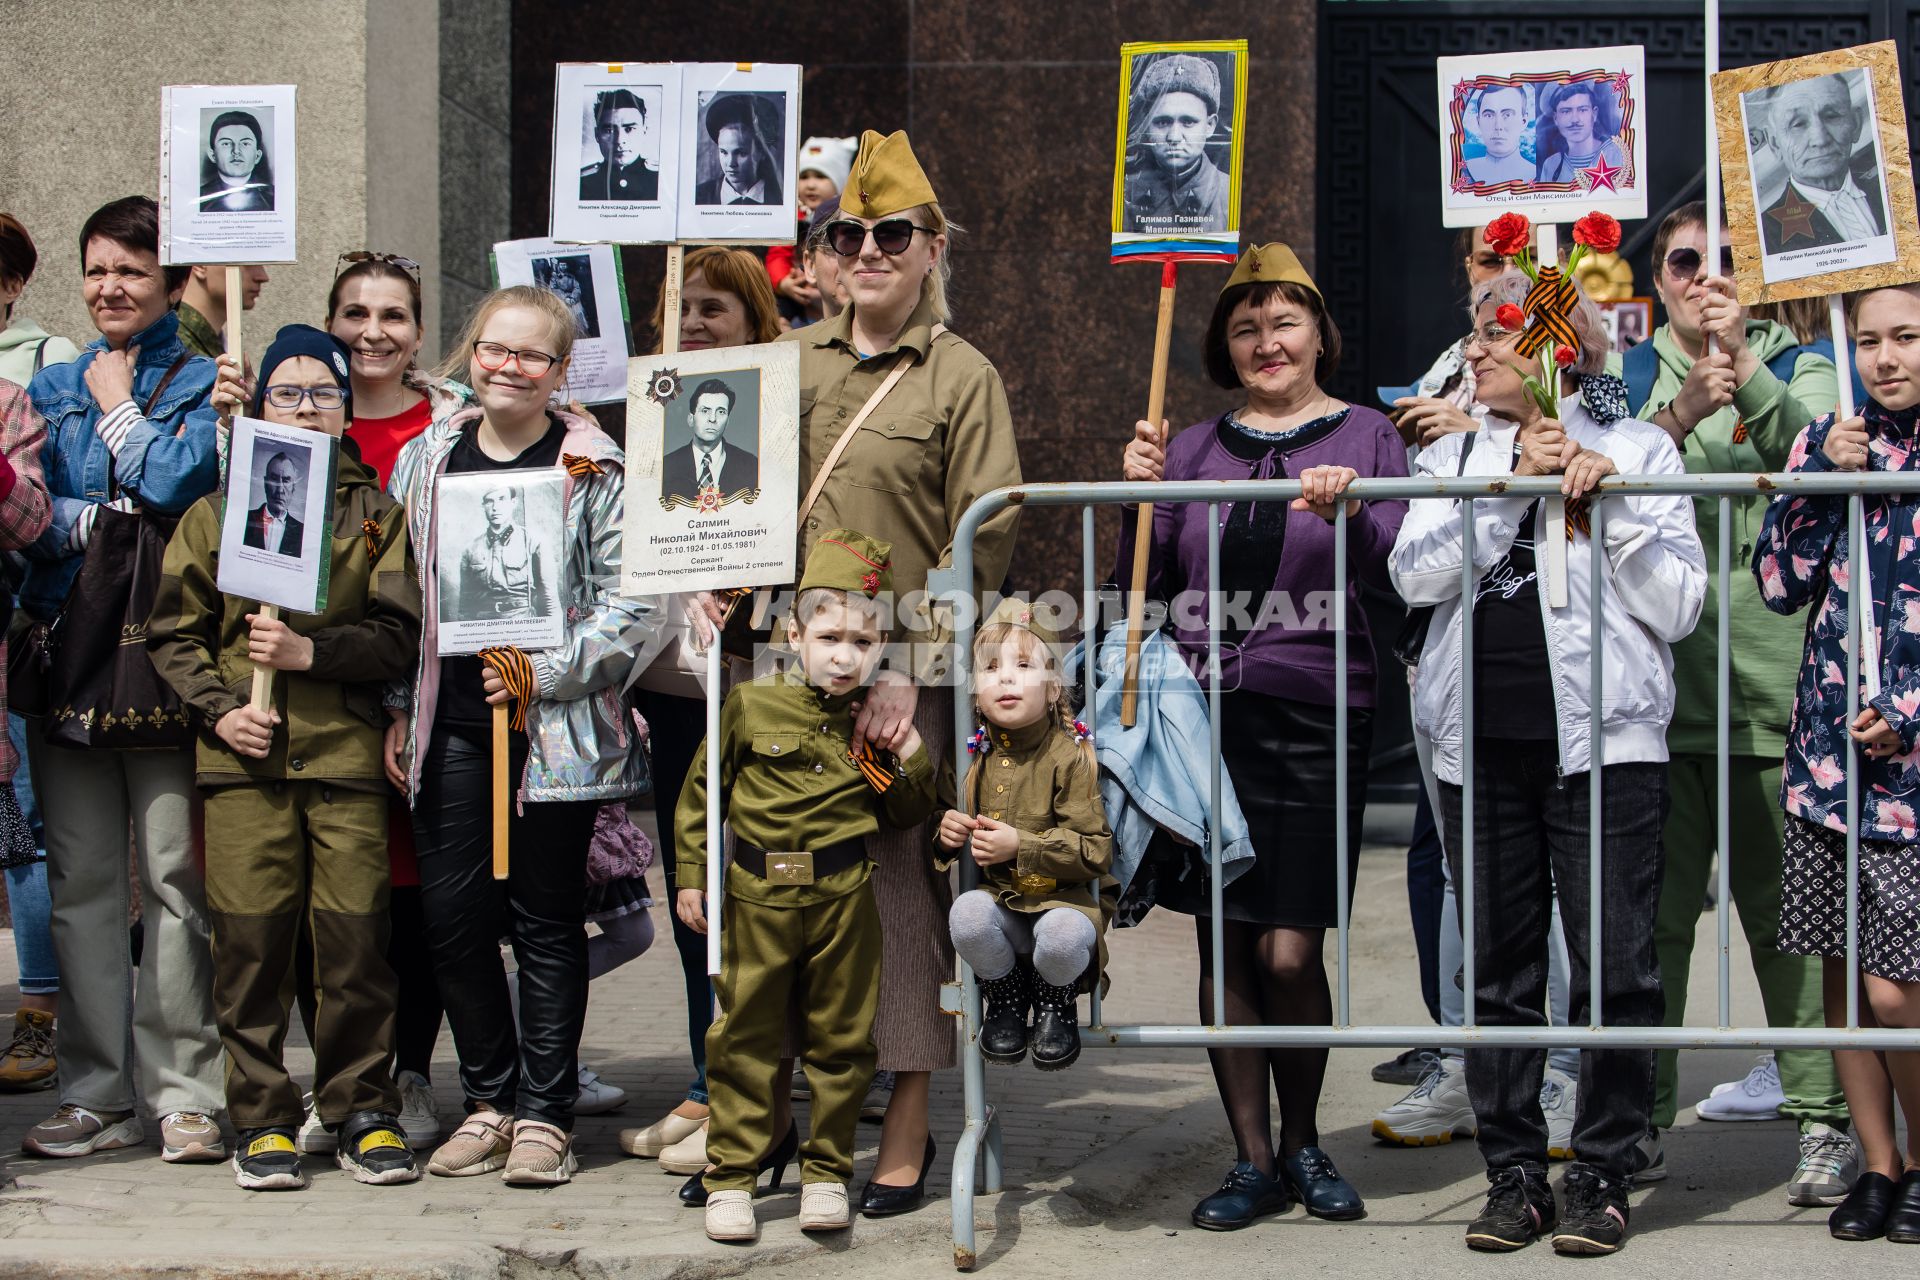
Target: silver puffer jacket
(580,728)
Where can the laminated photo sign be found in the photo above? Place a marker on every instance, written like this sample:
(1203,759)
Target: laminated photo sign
(615,152)
(499,556)
(276,527)
(740,127)
(713,469)
(1176,171)
(228,171)
(587,278)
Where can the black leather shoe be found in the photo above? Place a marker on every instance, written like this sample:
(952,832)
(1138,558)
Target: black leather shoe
(1056,1025)
(1903,1220)
(1003,1025)
(1246,1194)
(878,1200)
(1318,1185)
(693,1192)
(1863,1214)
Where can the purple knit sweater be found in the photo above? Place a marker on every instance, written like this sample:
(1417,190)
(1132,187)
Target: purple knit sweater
(1287,650)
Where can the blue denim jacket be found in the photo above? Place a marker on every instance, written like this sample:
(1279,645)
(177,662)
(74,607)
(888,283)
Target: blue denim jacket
(167,464)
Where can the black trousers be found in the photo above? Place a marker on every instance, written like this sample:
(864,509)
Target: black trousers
(1530,841)
(675,729)
(540,908)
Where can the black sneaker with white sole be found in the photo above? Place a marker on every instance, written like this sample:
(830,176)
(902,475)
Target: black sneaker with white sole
(1519,1210)
(265,1160)
(374,1151)
(1596,1216)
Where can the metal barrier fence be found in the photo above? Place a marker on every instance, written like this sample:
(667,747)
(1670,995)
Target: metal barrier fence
(978,1150)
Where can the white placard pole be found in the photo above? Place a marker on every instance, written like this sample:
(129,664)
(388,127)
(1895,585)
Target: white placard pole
(1546,254)
(1857,531)
(1712,265)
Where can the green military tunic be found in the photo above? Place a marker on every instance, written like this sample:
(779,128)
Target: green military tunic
(788,785)
(941,438)
(1039,780)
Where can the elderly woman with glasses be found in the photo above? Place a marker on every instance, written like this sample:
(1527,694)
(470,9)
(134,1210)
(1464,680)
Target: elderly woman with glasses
(1532,747)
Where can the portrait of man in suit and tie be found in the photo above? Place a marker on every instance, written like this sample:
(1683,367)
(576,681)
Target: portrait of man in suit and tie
(1818,134)
(740,143)
(711,469)
(272,526)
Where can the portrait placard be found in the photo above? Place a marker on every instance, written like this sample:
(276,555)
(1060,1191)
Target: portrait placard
(713,469)
(499,556)
(1819,183)
(587,278)
(1629,321)
(1177,163)
(740,142)
(615,152)
(1555,135)
(276,524)
(228,171)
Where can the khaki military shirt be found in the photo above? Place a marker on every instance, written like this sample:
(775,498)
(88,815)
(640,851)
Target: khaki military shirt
(941,438)
(788,785)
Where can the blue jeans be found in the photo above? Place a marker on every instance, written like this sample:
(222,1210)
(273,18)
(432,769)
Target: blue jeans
(27,897)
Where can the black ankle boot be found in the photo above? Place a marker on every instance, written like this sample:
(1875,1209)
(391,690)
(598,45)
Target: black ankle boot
(1056,1026)
(1003,1024)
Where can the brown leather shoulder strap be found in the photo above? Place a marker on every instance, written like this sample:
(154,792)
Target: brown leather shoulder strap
(154,399)
(893,377)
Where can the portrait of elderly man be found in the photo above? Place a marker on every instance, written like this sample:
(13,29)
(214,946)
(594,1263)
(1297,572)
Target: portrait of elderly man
(236,176)
(742,131)
(1833,193)
(1577,133)
(1500,114)
(1171,185)
(708,461)
(620,129)
(504,573)
(272,526)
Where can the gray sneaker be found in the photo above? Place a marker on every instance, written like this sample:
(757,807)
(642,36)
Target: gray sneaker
(75,1131)
(1829,1163)
(1649,1159)
(191,1137)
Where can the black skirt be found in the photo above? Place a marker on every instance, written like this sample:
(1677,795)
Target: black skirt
(1279,755)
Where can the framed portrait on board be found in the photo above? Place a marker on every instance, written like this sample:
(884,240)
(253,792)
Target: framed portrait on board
(1177,161)
(713,469)
(228,170)
(615,152)
(740,129)
(1555,135)
(500,551)
(276,526)
(587,278)
(1818,179)
(1629,321)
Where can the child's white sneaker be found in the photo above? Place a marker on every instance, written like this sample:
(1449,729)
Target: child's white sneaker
(823,1207)
(730,1216)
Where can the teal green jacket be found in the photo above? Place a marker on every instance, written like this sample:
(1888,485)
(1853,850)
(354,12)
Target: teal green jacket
(1764,653)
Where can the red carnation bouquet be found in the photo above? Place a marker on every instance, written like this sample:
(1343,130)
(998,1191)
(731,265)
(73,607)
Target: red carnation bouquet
(1510,236)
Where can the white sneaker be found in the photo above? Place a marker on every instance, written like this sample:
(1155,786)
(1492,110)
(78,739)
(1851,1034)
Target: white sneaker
(1558,1096)
(730,1216)
(823,1207)
(1758,1097)
(1829,1163)
(314,1138)
(1434,1111)
(419,1116)
(596,1096)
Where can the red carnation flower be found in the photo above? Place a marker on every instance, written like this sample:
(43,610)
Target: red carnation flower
(1563,356)
(1507,234)
(1600,232)
(1510,317)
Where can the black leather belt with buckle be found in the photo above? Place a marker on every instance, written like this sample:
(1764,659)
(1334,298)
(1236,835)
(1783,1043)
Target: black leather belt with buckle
(777,866)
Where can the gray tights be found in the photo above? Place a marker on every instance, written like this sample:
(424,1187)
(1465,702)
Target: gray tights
(989,937)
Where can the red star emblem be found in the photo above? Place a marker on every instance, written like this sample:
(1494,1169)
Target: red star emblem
(870,582)
(1623,85)
(1602,175)
(708,499)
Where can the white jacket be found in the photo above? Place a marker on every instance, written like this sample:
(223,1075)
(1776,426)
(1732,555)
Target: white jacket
(1656,579)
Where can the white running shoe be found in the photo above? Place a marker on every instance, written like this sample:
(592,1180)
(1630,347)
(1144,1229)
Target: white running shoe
(419,1115)
(1758,1097)
(597,1096)
(314,1138)
(1435,1111)
(1559,1093)
(730,1217)
(1829,1163)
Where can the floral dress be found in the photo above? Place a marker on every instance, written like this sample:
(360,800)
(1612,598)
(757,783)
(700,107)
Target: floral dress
(1803,557)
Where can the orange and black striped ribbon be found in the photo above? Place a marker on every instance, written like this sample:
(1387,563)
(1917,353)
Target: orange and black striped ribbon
(1549,306)
(516,672)
(1579,517)
(371,528)
(867,761)
(579,464)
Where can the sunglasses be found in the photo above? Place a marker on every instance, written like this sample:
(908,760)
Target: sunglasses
(493,358)
(285,397)
(358,256)
(891,237)
(1684,264)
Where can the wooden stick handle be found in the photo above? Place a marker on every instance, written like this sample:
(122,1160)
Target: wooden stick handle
(262,698)
(502,790)
(1143,529)
(236,308)
(670,304)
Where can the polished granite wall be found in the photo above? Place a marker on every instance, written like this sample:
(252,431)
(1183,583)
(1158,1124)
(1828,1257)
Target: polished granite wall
(1011,109)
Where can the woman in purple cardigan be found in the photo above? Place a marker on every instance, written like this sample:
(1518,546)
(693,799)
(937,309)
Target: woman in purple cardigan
(1271,335)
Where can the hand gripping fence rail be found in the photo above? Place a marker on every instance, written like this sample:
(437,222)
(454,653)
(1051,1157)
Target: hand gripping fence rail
(978,1150)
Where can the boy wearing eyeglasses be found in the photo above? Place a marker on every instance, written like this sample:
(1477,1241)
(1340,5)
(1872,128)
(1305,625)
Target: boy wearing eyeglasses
(296,791)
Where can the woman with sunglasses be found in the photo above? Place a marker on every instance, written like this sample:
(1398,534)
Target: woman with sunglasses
(576,754)
(1737,409)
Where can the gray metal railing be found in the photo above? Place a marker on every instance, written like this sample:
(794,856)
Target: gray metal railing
(978,1150)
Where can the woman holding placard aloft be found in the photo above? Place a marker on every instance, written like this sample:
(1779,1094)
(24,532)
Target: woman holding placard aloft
(1804,556)
(577,750)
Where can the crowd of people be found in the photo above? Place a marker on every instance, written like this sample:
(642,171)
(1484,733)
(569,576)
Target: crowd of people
(330,846)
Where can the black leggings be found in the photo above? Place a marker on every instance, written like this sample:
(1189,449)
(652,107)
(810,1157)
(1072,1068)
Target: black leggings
(541,907)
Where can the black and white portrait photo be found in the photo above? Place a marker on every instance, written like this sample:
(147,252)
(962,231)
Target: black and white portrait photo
(280,472)
(275,524)
(739,148)
(500,553)
(571,277)
(712,442)
(1811,146)
(621,159)
(1180,126)
(236,171)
